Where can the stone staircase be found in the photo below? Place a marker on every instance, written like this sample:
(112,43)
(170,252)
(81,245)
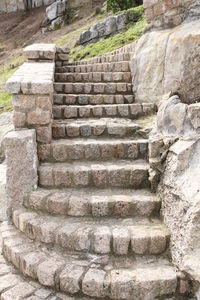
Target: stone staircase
(92,229)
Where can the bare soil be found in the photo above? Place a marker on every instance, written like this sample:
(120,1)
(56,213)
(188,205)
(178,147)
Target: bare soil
(23,28)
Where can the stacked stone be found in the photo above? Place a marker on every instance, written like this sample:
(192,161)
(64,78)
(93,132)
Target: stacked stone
(91,228)
(62,57)
(32,89)
(170,13)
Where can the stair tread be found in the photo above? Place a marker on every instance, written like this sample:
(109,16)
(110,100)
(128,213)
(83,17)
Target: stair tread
(101,236)
(139,163)
(113,222)
(86,94)
(97,105)
(99,72)
(107,140)
(94,202)
(93,121)
(140,271)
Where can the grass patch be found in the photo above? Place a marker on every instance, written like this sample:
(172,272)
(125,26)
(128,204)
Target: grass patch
(5,102)
(132,33)
(5,73)
(71,38)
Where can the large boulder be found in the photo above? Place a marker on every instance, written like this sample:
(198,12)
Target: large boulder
(168,61)
(176,119)
(56,9)
(180,195)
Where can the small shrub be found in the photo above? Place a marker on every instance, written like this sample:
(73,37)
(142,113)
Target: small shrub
(136,13)
(69,15)
(118,5)
(97,10)
(57,26)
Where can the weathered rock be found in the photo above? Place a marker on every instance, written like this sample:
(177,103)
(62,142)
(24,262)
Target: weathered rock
(6,125)
(109,26)
(167,61)
(186,124)
(179,191)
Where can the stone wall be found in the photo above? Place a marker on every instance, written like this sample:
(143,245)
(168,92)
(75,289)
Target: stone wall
(32,89)
(170,13)
(8,6)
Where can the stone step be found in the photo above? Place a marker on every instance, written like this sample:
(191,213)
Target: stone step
(123,66)
(124,49)
(93,88)
(96,128)
(64,150)
(122,173)
(85,99)
(130,111)
(14,285)
(100,236)
(94,77)
(118,57)
(90,275)
(94,202)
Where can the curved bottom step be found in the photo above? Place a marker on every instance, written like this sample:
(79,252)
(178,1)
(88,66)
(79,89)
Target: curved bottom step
(93,276)
(13,285)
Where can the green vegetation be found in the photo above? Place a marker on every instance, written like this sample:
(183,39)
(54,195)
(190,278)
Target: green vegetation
(69,15)
(5,73)
(132,33)
(119,5)
(5,102)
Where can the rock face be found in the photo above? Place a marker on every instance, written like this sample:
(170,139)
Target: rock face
(8,6)
(186,124)
(109,26)
(179,191)
(167,61)
(174,156)
(55,13)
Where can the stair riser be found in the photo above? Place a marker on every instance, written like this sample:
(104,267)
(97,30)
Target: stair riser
(95,206)
(72,131)
(100,240)
(94,77)
(104,67)
(105,59)
(92,151)
(92,99)
(93,88)
(130,111)
(81,279)
(97,177)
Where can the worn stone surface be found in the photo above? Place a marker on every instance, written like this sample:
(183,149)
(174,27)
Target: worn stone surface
(21,158)
(179,191)
(40,51)
(153,77)
(188,122)
(32,78)
(6,125)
